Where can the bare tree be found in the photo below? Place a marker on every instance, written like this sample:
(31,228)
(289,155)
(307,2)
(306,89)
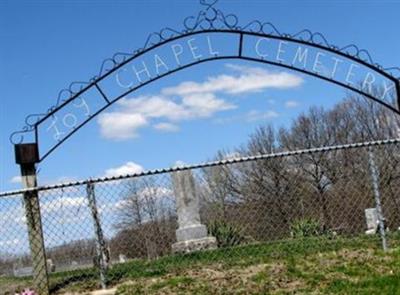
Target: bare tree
(146,218)
(271,183)
(218,189)
(308,131)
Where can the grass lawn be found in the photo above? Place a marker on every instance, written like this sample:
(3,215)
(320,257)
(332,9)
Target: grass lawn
(310,265)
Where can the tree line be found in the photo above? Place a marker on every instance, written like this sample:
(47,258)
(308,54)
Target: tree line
(261,200)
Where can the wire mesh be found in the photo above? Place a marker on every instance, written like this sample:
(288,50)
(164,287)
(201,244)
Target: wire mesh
(101,233)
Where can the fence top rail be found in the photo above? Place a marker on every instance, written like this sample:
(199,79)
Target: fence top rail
(228,161)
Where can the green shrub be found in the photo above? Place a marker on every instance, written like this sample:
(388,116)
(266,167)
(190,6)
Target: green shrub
(306,227)
(227,235)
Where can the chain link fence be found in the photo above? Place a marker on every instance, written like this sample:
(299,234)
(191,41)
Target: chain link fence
(98,233)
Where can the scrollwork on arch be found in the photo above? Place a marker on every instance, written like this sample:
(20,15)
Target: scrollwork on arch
(210,18)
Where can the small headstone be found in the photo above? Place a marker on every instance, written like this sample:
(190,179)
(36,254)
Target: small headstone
(51,266)
(371,217)
(122,258)
(191,235)
(23,271)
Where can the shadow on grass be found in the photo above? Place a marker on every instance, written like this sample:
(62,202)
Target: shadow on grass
(84,279)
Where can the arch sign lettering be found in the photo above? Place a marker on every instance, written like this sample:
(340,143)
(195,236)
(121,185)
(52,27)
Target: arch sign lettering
(211,35)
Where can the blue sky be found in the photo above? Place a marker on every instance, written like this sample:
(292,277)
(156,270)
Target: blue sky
(45,45)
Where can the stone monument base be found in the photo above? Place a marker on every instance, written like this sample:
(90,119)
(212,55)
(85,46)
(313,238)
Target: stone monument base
(192,232)
(371,232)
(189,246)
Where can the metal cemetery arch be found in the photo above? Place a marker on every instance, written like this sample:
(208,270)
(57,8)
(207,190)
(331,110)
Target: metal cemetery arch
(211,22)
(249,42)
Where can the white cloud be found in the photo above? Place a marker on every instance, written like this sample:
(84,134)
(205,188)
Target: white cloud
(127,168)
(232,155)
(56,205)
(250,79)
(153,107)
(166,127)
(16,179)
(121,126)
(205,105)
(14,215)
(74,210)
(136,113)
(179,163)
(191,107)
(191,100)
(292,104)
(158,192)
(10,243)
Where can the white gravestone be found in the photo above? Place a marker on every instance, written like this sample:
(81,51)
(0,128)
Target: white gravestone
(371,216)
(191,235)
(50,265)
(122,258)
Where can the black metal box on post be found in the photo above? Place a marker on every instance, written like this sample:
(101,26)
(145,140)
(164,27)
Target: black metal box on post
(27,156)
(26,153)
